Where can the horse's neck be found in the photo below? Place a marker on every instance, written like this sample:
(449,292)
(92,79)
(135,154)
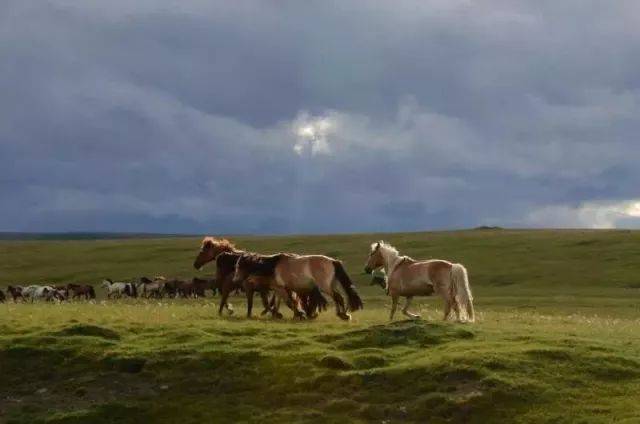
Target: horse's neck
(391,260)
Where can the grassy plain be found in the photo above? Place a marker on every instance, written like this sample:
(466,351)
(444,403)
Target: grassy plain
(557,338)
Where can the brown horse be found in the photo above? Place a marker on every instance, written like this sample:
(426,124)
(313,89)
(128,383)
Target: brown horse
(81,290)
(301,274)
(206,284)
(225,254)
(16,293)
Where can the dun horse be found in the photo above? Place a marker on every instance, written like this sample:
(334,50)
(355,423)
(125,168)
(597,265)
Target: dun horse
(408,278)
(301,274)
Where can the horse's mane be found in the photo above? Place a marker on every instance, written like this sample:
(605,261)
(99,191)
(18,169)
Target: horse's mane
(384,245)
(221,243)
(261,264)
(388,248)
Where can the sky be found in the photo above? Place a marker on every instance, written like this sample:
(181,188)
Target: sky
(275,117)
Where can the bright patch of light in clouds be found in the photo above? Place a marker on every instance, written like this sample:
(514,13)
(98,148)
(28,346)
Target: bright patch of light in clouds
(312,134)
(590,215)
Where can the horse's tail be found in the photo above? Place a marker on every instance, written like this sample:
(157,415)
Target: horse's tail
(317,300)
(355,302)
(92,292)
(461,290)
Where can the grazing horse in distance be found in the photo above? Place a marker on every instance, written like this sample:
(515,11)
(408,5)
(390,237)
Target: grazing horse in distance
(301,274)
(225,255)
(408,277)
(80,290)
(16,292)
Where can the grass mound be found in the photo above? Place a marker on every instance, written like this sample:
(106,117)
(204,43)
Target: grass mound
(409,332)
(89,331)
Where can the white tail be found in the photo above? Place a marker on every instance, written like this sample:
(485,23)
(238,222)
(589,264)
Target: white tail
(461,290)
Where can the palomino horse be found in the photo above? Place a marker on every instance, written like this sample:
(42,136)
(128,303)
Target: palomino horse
(225,254)
(300,274)
(408,278)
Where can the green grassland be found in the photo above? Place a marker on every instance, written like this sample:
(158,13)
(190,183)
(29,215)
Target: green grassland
(557,338)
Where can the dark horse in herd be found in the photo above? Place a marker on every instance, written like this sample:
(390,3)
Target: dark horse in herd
(301,281)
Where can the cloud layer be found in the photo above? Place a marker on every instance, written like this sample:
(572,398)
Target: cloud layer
(277,117)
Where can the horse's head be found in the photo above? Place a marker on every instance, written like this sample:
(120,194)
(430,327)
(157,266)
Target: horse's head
(210,249)
(106,283)
(375,259)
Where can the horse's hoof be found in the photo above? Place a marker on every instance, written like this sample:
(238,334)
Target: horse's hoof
(277,315)
(345,316)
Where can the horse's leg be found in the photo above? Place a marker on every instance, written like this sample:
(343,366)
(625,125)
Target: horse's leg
(341,309)
(394,305)
(224,295)
(456,308)
(286,295)
(275,307)
(264,295)
(248,289)
(405,310)
(447,309)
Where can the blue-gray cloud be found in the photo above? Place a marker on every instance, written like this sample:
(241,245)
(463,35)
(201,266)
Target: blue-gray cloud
(271,117)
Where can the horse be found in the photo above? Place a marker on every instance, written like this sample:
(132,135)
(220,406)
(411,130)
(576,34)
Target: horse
(301,274)
(206,284)
(153,288)
(171,287)
(48,293)
(63,290)
(225,254)
(80,290)
(408,277)
(2,297)
(116,289)
(16,292)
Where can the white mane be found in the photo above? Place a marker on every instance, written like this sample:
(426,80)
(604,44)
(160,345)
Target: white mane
(389,253)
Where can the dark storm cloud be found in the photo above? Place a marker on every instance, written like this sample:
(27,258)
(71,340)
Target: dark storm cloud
(224,117)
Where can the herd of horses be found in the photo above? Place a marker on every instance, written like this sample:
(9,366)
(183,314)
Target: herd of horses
(301,282)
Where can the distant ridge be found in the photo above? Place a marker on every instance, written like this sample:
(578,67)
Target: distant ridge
(85,236)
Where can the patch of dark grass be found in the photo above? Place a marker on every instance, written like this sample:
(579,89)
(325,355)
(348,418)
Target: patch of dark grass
(364,362)
(131,365)
(335,363)
(102,414)
(88,330)
(551,354)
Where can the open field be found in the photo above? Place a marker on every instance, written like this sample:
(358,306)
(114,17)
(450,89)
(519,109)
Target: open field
(557,338)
